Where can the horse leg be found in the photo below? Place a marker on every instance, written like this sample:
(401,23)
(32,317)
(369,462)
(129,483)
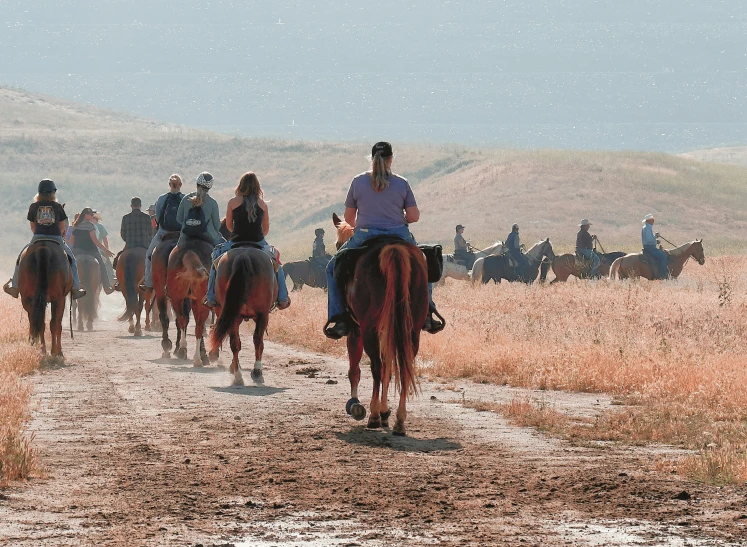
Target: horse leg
(80,317)
(355,353)
(181,325)
(138,313)
(260,326)
(371,345)
(384,411)
(131,328)
(235,368)
(399,425)
(201,314)
(166,344)
(55,327)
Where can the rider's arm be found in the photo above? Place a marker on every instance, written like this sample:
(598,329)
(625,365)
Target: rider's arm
(215,218)
(350,215)
(265,218)
(99,244)
(63,228)
(412,214)
(122,230)
(32,224)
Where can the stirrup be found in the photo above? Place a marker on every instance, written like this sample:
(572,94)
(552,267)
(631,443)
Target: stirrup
(433,325)
(340,328)
(145,288)
(209,303)
(12,291)
(284,305)
(77,293)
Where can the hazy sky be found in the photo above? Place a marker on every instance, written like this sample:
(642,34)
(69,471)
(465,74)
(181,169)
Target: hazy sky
(668,75)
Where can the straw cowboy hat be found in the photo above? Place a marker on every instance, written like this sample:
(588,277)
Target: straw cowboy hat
(585,222)
(648,217)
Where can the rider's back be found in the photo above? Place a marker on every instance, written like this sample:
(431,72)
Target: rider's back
(168,218)
(82,242)
(244,228)
(380,209)
(46,216)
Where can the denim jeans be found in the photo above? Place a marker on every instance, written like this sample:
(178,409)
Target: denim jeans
(520,259)
(660,257)
(68,252)
(223,248)
(335,298)
(149,253)
(589,254)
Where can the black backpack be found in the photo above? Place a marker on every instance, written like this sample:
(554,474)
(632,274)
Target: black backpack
(195,224)
(168,220)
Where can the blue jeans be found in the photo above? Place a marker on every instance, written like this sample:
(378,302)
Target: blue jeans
(68,252)
(660,257)
(149,253)
(223,248)
(335,298)
(521,259)
(589,254)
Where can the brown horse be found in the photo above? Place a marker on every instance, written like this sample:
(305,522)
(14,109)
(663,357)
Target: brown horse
(246,288)
(90,279)
(303,272)
(186,282)
(567,265)
(632,266)
(130,270)
(160,266)
(44,276)
(388,296)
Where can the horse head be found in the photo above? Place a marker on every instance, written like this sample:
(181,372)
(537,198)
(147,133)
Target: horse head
(344,230)
(697,252)
(547,249)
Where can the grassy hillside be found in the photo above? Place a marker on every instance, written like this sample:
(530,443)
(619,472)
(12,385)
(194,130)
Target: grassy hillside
(736,155)
(101,159)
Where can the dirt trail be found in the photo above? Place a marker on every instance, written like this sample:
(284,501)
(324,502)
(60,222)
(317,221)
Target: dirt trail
(146,451)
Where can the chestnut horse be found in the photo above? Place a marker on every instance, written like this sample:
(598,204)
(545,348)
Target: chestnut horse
(44,276)
(186,282)
(246,288)
(130,270)
(388,297)
(90,279)
(567,265)
(160,266)
(632,266)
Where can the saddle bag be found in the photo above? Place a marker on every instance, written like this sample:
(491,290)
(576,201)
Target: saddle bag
(435,259)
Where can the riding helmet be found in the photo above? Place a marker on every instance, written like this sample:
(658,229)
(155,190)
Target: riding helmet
(205,180)
(47,186)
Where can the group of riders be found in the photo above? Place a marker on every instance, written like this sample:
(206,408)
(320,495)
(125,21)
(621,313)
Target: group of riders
(378,202)
(586,251)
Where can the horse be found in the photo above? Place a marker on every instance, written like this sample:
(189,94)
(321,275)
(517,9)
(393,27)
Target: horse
(566,265)
(90,279)
(388,296)
(246,288)
(186,281)
(455,270)
(44,276)
(631,265)
(303,272)
(498,267)
(130,270)
(160,261)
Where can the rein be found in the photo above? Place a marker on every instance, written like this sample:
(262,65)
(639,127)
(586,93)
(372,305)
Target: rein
(665,239)
(597,242)
(70,315)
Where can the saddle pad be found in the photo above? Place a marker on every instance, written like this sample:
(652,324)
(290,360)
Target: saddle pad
(168,236)
(245,245)
(40,239)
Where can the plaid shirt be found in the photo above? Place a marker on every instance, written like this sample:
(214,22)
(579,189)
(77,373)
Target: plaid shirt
(137,230)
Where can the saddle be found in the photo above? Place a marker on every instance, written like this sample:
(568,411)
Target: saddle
(346,259)
(647,258)
(271,251)
(168,236)
(43,239)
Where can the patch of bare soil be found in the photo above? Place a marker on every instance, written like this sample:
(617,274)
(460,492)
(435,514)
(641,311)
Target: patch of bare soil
(146,451)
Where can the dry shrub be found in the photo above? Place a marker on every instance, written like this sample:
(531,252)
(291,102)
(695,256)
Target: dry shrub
(18,458)
(677,350)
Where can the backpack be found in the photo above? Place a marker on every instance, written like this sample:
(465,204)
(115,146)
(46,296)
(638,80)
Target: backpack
(168,220)
(195,224)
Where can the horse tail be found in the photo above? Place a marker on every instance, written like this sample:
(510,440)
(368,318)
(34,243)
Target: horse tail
(615,268)
(194,270)
(129,289)
(395,328)
(237,292)
(39,302)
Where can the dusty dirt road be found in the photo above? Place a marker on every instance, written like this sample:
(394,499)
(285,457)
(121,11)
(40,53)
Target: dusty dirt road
(145,451)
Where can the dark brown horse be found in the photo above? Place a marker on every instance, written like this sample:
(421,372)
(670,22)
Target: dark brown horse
(160,262)
(498,267)
(303,272)
(130,270)
(567,265)
(90,279)
(44,276)
(246,288)
(186,281)
(388,296)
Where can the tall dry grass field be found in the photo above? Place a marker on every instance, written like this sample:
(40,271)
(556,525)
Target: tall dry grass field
(18,458)
(673,354)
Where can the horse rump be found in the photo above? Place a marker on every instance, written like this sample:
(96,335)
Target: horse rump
(237,292)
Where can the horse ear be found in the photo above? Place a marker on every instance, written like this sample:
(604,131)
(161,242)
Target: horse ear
(336,220)
(547,240)
(701,240)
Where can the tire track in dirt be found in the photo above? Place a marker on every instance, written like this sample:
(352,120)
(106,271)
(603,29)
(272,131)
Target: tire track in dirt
(146,451)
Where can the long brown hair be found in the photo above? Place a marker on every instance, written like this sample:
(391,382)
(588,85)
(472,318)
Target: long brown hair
(380,172)
(46,196)
(251,190)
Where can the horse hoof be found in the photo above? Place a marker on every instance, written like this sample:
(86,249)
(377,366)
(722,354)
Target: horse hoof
(399,429)
(349,405)
(205,360)
(197,364)
(385,418)
(181,354)
(358,412)
(80,328)
(131,330)
(166,355)
(257,376)
(238,382)
(374,423)
(214,356)
(138,333)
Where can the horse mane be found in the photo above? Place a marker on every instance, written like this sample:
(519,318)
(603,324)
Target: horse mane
(677,251)
(344,232)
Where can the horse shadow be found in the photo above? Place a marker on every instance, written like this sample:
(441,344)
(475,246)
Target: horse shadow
(133,337)
(179,367)
(361,436)
(250,391)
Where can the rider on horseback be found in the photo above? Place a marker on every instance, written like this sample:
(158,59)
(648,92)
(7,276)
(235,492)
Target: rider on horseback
(47,218)
(84,241)
(585,247)
(136,231)
(167,207)
(378,203)
(319,255)
(462,251)
(513,244)
(248,218)
(650,247)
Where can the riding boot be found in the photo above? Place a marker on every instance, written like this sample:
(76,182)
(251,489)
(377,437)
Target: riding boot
(284,304)
(78,293)
(340,328)
(12,291)
(433,325)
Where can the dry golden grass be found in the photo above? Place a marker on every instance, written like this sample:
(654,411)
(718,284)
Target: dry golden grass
(675,353)
(18,458)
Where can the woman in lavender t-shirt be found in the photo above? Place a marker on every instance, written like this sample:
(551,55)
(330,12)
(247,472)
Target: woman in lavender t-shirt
(378,203)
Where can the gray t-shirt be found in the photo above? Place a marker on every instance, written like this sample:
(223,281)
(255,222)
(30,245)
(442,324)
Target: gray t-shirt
(383,209)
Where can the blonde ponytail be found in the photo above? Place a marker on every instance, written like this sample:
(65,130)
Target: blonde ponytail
(200,196)
(379,173)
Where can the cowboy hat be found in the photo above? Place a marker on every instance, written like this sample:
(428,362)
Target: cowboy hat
(648,217)
(585,222)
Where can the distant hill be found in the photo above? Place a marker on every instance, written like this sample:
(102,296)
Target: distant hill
(736,155)
(101,158)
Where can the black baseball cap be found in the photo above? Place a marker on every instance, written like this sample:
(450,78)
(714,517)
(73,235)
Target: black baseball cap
(46,186)
(383,148)
(459,226)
